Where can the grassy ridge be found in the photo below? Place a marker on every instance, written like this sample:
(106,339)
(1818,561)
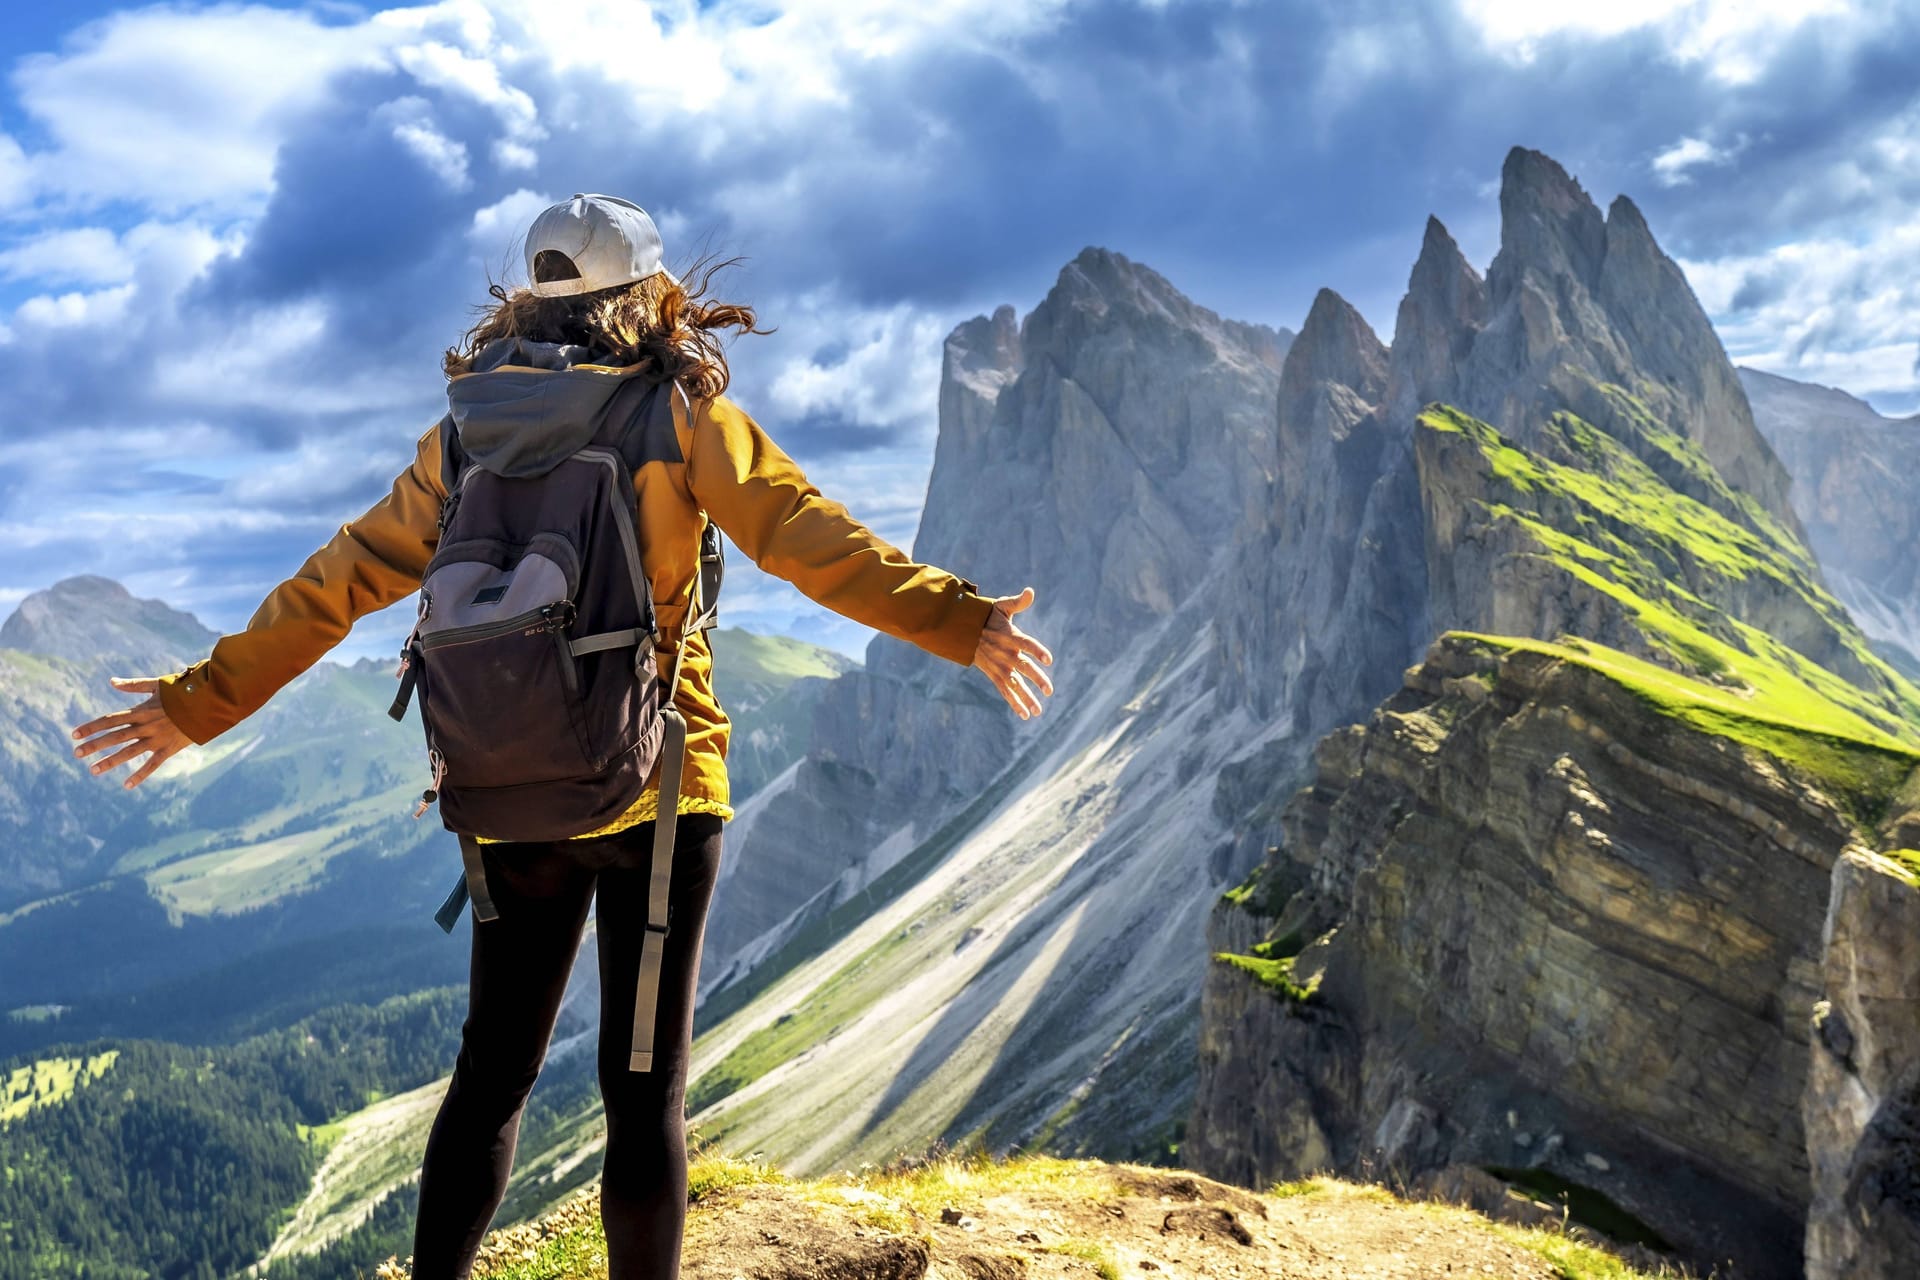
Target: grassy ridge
(1614,526)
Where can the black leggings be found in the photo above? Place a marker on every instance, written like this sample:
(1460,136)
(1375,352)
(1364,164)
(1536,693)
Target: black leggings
(520,966)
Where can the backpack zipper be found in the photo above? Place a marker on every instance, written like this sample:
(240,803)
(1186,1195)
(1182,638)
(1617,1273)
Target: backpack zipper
(543,616)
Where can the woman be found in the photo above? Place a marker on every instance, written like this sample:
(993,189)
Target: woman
(600,305)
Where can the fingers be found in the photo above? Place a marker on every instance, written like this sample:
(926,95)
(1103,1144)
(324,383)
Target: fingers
(1029,644)
(154,761)
(1018,697)
(1029,668)
(106,740)
(135,684)
(140,715)
(123,755)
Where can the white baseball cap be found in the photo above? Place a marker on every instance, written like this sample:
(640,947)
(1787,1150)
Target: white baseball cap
(608,240)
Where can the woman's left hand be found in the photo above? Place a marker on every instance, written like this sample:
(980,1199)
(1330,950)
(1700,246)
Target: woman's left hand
(1011,658)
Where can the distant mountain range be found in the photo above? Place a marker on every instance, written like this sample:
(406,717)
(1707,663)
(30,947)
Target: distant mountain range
(279,864)
(1854,473)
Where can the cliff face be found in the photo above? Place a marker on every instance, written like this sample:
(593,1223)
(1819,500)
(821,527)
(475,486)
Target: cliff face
(1546,923)
(1556,914)
(1862,1105)
(997,919)
(1854,489)
(1085,451)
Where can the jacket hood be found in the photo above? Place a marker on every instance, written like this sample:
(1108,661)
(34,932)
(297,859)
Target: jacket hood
(526,406)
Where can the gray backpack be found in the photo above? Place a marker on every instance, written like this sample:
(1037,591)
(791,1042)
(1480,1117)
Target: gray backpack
(533,655)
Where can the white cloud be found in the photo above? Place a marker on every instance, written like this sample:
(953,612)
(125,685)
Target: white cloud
(497,228)
(888,374)
(99,308)
(412,123)
(155,251)
(83,255)
(179,115)
(1837,310)
(1671,166)
(175,109)
(1734,39)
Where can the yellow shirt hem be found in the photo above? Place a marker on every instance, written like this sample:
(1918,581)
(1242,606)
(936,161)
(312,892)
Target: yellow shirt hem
(646,809)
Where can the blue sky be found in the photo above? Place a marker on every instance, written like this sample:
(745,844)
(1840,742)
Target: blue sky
(235,238)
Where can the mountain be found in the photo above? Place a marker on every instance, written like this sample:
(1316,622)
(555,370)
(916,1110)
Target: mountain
(56,650)
(1854,488)
(994,920)
(769,686)
(278,866)
(96,623)
(1555,911)
(1111,420)
(1559,916)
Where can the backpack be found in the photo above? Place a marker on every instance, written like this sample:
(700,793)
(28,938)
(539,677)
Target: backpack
(533,657)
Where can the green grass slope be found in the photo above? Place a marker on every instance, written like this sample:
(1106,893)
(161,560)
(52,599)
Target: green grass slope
(1683,571)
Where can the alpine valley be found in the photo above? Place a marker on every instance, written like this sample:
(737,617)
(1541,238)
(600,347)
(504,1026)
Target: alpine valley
(1487,764)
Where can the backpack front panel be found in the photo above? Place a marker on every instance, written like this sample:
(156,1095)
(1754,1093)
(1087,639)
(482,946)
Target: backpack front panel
(529,740)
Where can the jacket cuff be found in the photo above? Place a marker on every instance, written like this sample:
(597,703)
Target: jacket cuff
(185,697)
(959,640)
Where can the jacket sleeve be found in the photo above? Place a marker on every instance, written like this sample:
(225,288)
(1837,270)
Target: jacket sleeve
(760,499)
(374,560)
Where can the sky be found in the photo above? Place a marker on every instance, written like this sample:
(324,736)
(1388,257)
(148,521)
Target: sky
(235,238)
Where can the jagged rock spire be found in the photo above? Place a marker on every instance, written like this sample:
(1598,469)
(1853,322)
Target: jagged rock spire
(1444,309)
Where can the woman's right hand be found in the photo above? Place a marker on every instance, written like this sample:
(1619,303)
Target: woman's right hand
(144,727)
(1007,654)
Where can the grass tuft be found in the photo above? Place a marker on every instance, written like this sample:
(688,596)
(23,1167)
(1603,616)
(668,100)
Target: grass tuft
(1275,974)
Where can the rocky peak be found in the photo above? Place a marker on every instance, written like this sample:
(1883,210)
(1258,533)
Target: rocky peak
(1099,453)
(1101,291)
(1586,313)
(984,352)
(981,356)
(1317,609)
(96,621)
(1853,489)
(1335,373)
(1336,345)
(1444,309)
(1547,222)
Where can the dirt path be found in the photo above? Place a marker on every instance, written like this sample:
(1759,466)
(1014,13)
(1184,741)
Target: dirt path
(1149,1223)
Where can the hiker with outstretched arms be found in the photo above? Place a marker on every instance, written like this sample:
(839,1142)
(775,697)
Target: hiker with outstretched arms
(558,524)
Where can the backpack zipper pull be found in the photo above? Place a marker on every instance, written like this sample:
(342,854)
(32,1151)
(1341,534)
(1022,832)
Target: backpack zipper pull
(408,677)
(432,793)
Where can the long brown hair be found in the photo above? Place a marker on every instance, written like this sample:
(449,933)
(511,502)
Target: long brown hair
(670,330)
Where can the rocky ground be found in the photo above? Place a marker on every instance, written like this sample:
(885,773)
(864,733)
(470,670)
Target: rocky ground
(979,1219)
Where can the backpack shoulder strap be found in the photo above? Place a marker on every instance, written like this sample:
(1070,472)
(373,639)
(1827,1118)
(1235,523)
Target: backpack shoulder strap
(453,458)
(638,421)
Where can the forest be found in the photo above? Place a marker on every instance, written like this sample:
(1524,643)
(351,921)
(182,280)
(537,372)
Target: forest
(192,1156)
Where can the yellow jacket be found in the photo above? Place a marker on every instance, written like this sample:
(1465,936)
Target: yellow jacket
(732,472)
